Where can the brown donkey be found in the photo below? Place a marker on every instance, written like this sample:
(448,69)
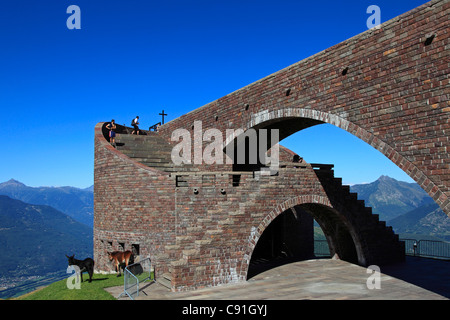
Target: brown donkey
(120,257)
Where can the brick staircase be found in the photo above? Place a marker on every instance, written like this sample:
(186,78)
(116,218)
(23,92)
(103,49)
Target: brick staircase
(374,231)
(202,230)
(150,150)
(205,233)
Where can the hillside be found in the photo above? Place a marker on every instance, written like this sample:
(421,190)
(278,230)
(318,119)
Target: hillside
(35,238)
(77,203)
(405,207)
(391,198)
(426,220)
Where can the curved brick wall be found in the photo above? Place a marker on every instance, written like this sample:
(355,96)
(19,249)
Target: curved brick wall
(128,204)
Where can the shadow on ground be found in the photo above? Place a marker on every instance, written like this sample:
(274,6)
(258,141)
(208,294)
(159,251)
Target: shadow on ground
(430,274)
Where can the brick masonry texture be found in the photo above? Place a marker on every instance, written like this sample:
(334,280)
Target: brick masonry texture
(200,225)
(203,233)
(395,96)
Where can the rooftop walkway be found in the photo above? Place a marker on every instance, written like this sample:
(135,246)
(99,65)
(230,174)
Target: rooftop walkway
(416,279)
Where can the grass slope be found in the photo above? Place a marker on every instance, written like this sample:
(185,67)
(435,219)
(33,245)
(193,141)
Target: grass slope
(88,291)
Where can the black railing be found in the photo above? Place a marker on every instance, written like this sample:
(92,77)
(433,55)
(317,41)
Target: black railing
(413,247)
(427,248)
(154,127)
(321,248)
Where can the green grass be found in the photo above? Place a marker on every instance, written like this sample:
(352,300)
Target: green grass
(88,291)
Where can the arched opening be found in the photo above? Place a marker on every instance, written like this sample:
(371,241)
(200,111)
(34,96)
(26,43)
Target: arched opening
(290,120)
(354,160)
(290,237)
(247,147)
(392,194)
(341,239)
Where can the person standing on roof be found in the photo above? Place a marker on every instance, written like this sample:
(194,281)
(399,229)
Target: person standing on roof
(135,124)
(112,132)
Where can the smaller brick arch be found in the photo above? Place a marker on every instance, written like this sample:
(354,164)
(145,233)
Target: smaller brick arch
(301,118)
(328,218)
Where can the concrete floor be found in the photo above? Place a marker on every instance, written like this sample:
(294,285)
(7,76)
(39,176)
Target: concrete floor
(322,279)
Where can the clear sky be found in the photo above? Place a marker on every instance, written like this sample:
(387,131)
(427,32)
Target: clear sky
(138,57)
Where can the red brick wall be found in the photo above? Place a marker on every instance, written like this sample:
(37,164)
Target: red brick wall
(132,204)
(203,233)
(395,96)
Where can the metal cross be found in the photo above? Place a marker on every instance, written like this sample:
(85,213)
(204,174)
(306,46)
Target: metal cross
(163,114)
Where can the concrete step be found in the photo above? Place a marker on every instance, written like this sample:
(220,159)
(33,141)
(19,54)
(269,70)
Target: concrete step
(143,146)
(165,280)
(144,152)
(147,143)
(147,159)
(150,150)
(157,165)
(153,160)
(352,196)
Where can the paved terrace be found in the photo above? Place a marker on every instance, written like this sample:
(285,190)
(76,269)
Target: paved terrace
(416,279)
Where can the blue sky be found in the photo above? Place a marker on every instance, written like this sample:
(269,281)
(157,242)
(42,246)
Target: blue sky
(138,57)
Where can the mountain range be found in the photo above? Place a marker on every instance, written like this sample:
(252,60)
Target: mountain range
(390,198)
(35,239)
(40,225)
(404,206)
(427,220)
(76,203)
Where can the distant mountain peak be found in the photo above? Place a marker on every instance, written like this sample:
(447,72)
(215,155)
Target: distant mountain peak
(13,182)
(75,202)
(390,198)
(91,188)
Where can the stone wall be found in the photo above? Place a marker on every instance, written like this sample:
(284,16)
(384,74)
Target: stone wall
(394,95)
(201,227)
(133,204)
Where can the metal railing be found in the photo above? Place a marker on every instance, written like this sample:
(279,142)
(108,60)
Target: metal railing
(154,127)
(427,248)
(413,247)
(321,248)
(134,275)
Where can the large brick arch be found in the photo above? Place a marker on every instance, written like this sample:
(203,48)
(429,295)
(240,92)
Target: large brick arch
(291,120)
(332,215)
(275,212)
(390,86)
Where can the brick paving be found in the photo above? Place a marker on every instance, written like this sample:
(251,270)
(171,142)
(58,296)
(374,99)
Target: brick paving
(323,279)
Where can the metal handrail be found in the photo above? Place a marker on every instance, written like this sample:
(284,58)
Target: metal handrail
(427,248)
(413,247)
(321,248)
(154,127)
(128,272)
